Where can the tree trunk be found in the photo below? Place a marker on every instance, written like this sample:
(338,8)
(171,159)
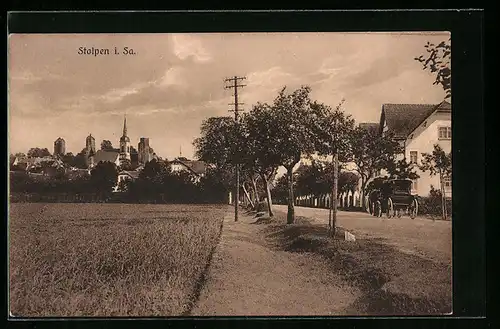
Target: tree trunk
(268,194)
(362,193)
(255,191)
(334,195)
(248,196)
(290,218)
(443,197)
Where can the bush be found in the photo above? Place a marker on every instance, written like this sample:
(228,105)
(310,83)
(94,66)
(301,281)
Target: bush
(431,205)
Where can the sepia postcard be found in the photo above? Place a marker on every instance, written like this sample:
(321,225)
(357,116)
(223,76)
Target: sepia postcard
(229,174)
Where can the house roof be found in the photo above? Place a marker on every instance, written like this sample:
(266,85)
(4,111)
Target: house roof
(106,156)
(402,119)
(195,166)
(48,160)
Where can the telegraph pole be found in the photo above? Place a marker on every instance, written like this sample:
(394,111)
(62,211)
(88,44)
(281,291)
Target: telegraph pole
(234,84)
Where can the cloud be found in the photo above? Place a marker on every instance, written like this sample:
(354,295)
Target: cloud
(268,77)
(174,76)
(115,95)
(186,46)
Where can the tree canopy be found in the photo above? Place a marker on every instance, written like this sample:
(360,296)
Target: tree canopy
(106,145)
(37,152)
(438,61)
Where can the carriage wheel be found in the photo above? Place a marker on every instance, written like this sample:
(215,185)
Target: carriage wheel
(377,209)
(390,208)
(413,209)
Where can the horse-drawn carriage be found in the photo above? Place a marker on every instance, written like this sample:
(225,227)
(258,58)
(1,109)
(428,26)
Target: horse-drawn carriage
(392,197)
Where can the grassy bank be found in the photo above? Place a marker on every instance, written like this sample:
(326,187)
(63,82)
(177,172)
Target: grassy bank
(393,282)
(108,259)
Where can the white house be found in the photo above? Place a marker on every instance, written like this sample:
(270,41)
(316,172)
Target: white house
(195,167)
(418,127)
(125,175)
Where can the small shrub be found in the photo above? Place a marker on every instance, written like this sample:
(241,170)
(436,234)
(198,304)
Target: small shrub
(431,205)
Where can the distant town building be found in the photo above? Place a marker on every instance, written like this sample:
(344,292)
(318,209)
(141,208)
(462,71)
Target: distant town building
(90,144)
(195,167)
(125,156)
(47,166)
(59,147)
(124,143)
(104,156)
(125,175)
(145,152)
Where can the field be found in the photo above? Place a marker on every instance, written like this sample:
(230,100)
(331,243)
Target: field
(108,259)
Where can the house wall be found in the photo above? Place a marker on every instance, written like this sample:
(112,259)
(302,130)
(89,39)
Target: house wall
(121,178)
(177,167)
(422,140)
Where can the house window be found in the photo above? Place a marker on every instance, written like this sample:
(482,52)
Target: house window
(413,156)
(447,183)
(444,132)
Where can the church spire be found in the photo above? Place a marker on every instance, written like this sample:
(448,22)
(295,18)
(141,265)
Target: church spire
(125,125)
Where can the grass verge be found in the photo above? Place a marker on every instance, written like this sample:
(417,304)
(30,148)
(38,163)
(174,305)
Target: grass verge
(108,259)
(392,282)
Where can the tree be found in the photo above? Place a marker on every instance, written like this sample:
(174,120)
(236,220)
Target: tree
(68,159)
(37,152)
(154,170)
(279,135)
(332,129)
(217,146)
(260,152)
(438,163)
(314,179)
(211,188)
(402,169)
(438,62)
(126,164)
(124,185)
(106,145)
(216,141)
(80,160)
(104,177)
(280,190)
(371,152)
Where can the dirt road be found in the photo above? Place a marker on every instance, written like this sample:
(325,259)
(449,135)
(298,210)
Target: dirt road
(423,237)
(248,276)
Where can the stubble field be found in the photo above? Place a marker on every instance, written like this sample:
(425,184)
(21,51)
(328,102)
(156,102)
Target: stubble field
(108,259)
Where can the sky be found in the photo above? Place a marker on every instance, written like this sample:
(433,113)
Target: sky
(173,82)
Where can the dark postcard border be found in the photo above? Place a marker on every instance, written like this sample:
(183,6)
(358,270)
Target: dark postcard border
(469,280)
